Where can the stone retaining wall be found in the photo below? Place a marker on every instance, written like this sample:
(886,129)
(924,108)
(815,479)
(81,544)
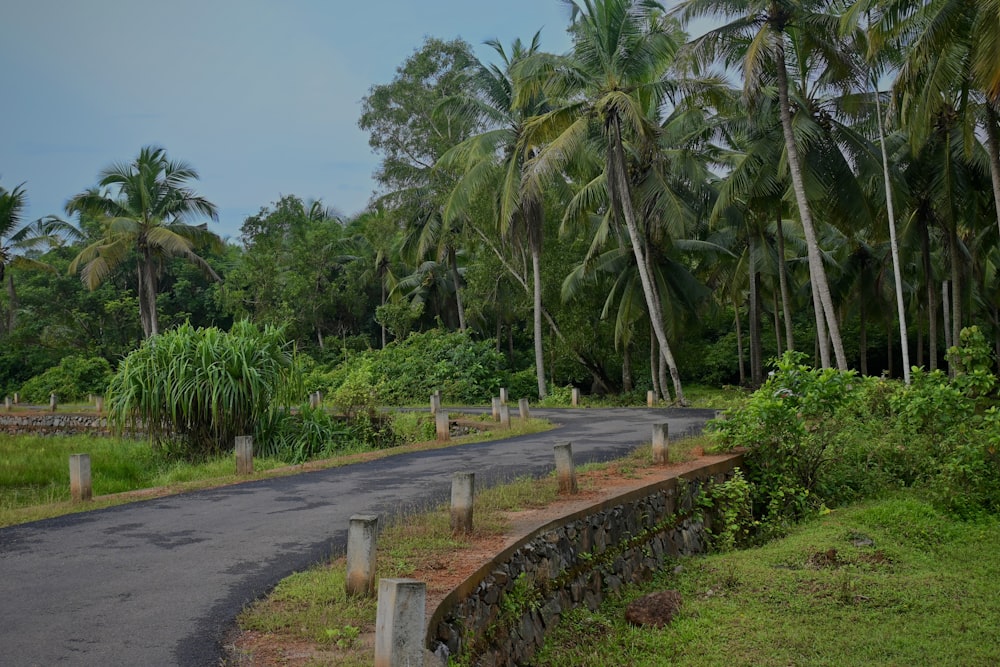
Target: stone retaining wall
(500,615)
(49,423)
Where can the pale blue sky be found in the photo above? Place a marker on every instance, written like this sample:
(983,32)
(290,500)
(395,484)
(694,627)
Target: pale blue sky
(261,97)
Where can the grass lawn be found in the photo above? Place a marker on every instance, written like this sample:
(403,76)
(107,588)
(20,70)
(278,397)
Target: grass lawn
(888,582)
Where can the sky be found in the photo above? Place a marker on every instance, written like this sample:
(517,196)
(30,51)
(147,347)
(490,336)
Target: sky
(261,97)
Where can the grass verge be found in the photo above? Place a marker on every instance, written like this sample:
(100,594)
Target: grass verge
(889,582)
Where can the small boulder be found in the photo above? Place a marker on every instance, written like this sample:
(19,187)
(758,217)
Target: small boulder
(655,609)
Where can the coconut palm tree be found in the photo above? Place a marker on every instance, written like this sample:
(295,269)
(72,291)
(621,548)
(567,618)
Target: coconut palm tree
(609,90)
(144,207)
(494,160)
(764,36)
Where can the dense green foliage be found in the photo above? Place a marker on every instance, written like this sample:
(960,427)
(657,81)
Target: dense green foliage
(819,438)
(72,380)
(618,218)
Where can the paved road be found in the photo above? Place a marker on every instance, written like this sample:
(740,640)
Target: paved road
(158,582)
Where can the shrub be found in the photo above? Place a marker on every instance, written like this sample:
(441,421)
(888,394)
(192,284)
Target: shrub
(71,381)
(194,390)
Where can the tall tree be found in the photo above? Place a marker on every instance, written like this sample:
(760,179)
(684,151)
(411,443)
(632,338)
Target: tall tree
(758,37)
(144,209)
(611,86)
(494,161)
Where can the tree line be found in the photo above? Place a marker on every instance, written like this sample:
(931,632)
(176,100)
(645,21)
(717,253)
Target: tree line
(642,211)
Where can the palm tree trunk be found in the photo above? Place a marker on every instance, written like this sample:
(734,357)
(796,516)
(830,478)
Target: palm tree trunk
(786,298)
(621,195)
(956,285)
(453,265)
(739,345)
(147,295)
(925,249)
(383,303)
(821,288)
(863,340)
(533,212)
(822,340)
(946,313)
(993,147)
(627,367)
(654,357)
(777,321)
(755,351)
(896,272)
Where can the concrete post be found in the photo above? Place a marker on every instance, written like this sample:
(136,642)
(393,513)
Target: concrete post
(496,409)
(53,401)
(399,623)
(565,470)
(443,426)
(244,455)
(17,398)
(650,399)
(661,444)
(503,396)
(6,403)
(522,406)
(362,537)
(99,404)
(80,488)
(505,415)
(435,403)
(576,397)
(463,493)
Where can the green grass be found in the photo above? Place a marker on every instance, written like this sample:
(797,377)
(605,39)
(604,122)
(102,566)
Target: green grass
(924,593)
(34,470)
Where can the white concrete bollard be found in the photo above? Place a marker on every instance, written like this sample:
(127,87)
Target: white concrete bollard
(463,493)
(53,401)
(80,488)
(503,396)
(7,403)
(496,409)
(650,399)
(99,404)
(576,397)
(399,623)
(443,426)
(362,538)
(244,455)
(565,470)
(17,398)
(661,444)
(505,415)
(435,403)
(522,406)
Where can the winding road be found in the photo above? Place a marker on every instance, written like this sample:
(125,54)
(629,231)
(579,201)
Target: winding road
(159,582)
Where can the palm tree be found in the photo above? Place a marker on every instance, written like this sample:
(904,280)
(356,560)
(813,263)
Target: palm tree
(611,86)
(143,210)
(494,161)
(757,37)
(16,242)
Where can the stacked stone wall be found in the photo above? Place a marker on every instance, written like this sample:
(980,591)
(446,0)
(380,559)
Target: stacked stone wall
(49,423)
(501,614)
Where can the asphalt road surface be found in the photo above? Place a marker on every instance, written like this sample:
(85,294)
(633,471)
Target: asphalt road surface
(159,582)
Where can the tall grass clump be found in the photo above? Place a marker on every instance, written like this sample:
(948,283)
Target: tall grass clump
(194,390)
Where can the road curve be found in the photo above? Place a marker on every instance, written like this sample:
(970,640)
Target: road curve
(158,582)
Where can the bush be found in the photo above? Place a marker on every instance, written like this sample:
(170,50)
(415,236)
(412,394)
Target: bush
(194,390)
(407,372)
(71,381)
